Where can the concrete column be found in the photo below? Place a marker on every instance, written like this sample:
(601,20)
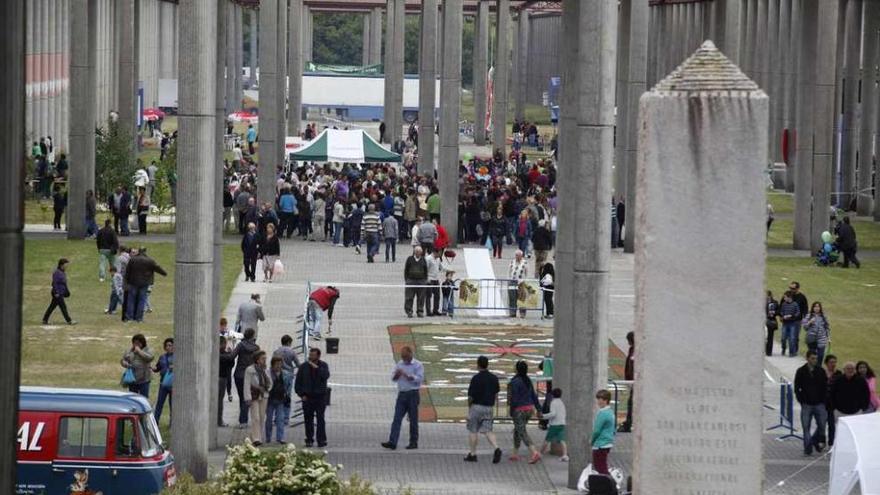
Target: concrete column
(308,33)
(270,109)
(388,61)
(654,44)
(580,344)
(787,89)
(51,66)
(12,153)
(253,18)
(501,75)
(281,74)
(427,86)
(522,63)
(729,25)
(398,67)
(227,56)
(824,117)
(124,25)
(773,88)
(166,39)
(193,279)
(481,66)
(870,112)
(670,38)
(375,36)
(750,20)
(176,63)
(82,101)
(703,129)
(295,66)
(628,133)
(217,238)
(846,180)
(365,40)
(30,52)
(450,110)
(238,95)
(761,48)
(804,31)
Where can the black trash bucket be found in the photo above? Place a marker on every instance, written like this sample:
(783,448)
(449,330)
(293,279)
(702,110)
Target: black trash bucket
(332,345)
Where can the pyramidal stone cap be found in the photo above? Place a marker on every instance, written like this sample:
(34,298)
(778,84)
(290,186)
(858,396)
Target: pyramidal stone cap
(707,70)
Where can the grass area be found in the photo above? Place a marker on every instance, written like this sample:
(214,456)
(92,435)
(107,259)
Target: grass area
(87,355)
(781,201)
(449,354)
(867,234)
(849,298)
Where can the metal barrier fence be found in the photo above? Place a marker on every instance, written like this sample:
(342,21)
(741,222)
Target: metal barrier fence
(786,412)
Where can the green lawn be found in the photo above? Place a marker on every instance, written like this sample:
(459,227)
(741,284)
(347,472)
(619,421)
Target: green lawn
(782,201)
(849,297)
(867,233)
(87,355)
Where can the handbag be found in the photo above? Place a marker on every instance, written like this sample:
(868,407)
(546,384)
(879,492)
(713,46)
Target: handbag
(168,380)
(128,377)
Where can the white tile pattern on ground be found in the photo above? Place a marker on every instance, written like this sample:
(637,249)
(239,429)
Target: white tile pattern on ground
(363,400)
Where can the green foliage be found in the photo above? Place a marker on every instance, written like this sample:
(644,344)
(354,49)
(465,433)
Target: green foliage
(338,38)
(167,173)
(114,158)
(185,485)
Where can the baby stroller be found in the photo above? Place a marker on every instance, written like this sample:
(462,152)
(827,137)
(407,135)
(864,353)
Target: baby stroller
(828,255)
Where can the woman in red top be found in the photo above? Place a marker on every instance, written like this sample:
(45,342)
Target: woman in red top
(442,241)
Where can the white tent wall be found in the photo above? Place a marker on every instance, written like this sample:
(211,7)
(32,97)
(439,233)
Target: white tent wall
(856,455)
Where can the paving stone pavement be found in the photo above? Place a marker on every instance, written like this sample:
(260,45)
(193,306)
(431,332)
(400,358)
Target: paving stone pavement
(363,396)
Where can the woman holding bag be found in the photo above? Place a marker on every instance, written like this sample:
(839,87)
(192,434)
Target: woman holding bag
(136,361)
(818,330)
(270,250)
(523,404)
(257,384)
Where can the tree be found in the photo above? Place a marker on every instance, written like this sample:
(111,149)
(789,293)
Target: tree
(338,39)
(114,164)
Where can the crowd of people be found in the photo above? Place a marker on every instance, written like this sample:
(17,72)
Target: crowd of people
(824,394)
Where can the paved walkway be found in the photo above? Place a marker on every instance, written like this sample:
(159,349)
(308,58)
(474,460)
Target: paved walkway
(360,416)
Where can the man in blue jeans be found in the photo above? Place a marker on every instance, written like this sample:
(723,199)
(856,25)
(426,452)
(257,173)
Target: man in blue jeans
(279,397)
(791,315)
(810,387)
(163,367)
(409,375)
(139,277)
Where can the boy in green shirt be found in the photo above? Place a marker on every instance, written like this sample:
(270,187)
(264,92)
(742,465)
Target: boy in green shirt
(603,432)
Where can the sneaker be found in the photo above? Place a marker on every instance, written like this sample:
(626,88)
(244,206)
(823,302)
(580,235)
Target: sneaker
(389,445)
(72,322)
(230,397)
(563,458)
(496,456)
(412,446)
(106,311)
(470,458)
(357,249)
(100,279)
(534,458)
(322,444)
(309,444)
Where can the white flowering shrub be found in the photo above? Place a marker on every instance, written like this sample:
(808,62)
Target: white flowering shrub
(251,471)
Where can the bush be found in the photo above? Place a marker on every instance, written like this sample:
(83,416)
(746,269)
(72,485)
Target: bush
(114,159)
(286,471)
(251,471)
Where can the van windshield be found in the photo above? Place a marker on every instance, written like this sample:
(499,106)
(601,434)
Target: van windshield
(151,439)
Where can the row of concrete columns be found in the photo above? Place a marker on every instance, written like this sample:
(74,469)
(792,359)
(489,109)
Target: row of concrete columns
(48,49)
(395,28)
(827,146)
(13,43)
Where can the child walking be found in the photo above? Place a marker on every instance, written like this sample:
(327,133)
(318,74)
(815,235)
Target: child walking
(602,439)
(115,291)
(556,429)
(448,289)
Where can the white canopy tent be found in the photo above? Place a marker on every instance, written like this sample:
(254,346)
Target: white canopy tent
(856,455)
